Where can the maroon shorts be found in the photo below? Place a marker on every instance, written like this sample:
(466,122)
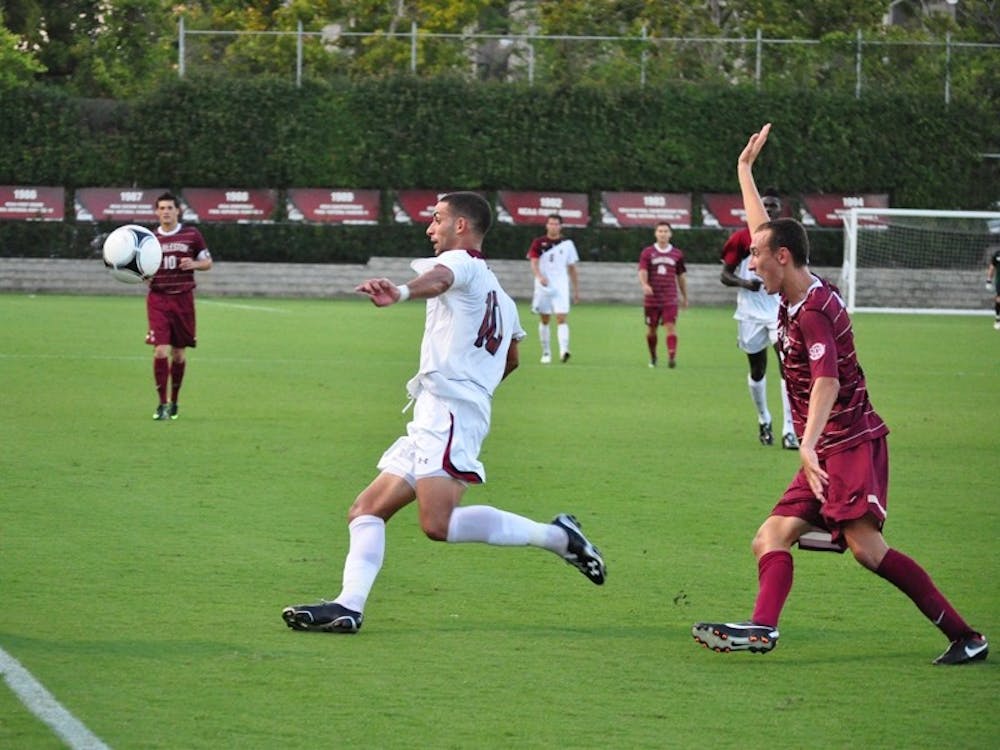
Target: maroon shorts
(859,486)
(171,319)
(657,314)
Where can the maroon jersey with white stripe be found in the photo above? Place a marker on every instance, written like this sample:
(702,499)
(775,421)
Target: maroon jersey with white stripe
(816,340)
(184,242)
(662,267)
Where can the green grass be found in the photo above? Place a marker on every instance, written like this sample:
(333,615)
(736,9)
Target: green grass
(143,566)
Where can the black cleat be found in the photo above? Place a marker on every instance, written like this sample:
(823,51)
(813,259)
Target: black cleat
(765,435)
(652,361)
(162,413)
(580,553)
(172,411)
(965,651)
(735,636)
(325,617)
(789,441)
(672,363)
(565,357)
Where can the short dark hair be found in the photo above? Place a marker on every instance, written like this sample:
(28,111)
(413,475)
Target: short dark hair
(167,196)
(789,233)
(665,224)
(471,206)
(557,217)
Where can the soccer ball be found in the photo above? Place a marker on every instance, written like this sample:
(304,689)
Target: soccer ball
(132,253)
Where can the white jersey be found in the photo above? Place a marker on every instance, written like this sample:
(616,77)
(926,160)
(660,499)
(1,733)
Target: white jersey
(759,306)
(554,264)
(467,331)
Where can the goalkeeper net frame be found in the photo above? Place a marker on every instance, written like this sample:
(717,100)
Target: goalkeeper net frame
(905,260)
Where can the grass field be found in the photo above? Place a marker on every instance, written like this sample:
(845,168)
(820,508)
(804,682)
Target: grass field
(143,565)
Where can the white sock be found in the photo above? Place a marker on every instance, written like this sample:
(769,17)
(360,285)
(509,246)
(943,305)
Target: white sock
(562,331)
(544,338)
(363,562)
(758,394)
(488,525)
(787,409)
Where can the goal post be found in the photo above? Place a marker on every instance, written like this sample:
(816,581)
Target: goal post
(909,260)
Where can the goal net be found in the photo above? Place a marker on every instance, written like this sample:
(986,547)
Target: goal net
(917,261)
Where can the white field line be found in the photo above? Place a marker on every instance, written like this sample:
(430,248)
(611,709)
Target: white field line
(45,707)
(238,306)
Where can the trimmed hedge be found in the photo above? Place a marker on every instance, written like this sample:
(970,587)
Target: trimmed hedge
(449,134)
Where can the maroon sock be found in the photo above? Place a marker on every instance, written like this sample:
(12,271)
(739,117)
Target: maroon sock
(774,573)
(651,344)
(176,378)
(672,345)
(161,372)
(907,575)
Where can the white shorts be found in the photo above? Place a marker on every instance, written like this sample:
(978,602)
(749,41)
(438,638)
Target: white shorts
(442,440)
(550,300)
(754,336)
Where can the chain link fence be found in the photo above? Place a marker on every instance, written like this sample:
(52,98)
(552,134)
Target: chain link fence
(847,63)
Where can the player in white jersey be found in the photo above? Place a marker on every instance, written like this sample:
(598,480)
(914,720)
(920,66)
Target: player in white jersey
(470,344)
(757,325)
(553,264)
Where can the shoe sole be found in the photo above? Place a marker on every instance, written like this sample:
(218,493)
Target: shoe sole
(723,644)
(296,621)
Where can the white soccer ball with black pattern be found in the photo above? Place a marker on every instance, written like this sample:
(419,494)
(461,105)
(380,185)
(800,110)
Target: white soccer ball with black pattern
(132,253)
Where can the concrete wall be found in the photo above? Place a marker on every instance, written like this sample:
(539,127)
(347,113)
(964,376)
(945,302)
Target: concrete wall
(599,282)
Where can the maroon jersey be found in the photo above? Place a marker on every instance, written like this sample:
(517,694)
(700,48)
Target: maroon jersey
(737,247)
(184,242)
(815,339)
(662,268)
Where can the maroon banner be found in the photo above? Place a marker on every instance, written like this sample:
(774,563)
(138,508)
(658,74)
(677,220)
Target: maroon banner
(827,209)
(417,206)
(238,205)
(519,207)
(726,210)
(646,209)
(333,206)
(117,204)
(31,203)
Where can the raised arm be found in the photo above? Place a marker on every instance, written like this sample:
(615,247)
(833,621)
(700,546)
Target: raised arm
(383,292)
(752,204)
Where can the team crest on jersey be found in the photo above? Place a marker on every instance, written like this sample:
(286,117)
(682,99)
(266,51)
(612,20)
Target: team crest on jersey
(816,351)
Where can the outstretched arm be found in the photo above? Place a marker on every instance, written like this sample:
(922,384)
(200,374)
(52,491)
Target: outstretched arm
(752,204)
(383,292)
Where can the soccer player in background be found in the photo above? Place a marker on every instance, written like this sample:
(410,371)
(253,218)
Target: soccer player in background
(553,263)
(757,325)
(661,275)
(993,282)
(470,344)
(841,486)
(170,302)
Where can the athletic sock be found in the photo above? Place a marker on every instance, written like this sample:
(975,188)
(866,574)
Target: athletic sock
(489,525)
(176,378)
(774,574)
(544,337)
(909,577)
(363,561)
(161,373)
(672,345)
(786,411)
(562,331)
(651,344)
(758,394)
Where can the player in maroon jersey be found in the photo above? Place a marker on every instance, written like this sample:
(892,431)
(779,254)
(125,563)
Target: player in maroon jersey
(170,302)
(661,275)
(841,486)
